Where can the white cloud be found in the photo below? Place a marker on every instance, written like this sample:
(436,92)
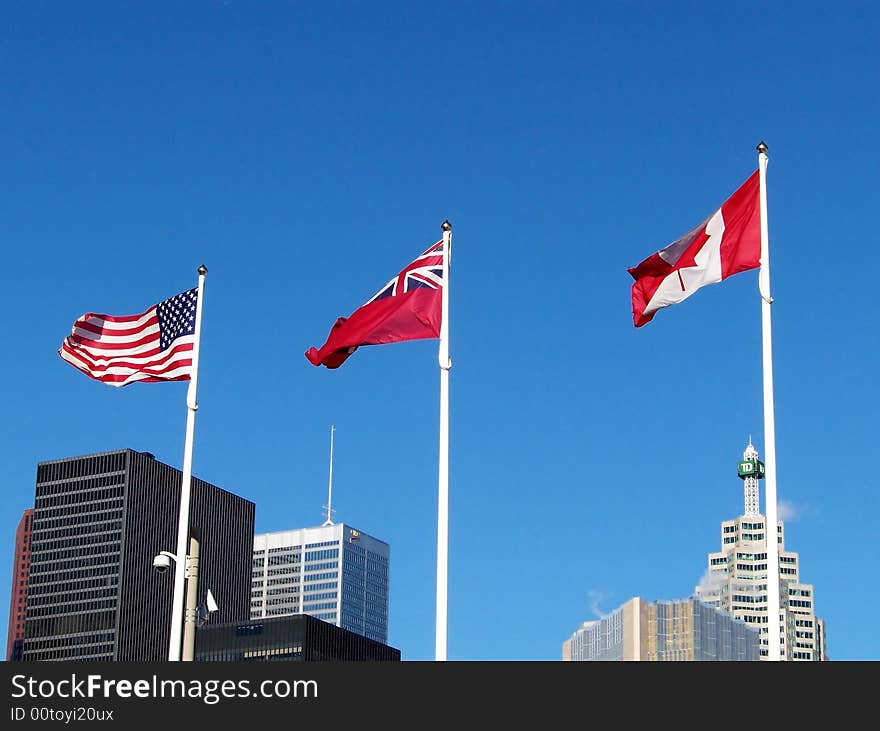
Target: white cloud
(788,511)
(710,580)
(595,598)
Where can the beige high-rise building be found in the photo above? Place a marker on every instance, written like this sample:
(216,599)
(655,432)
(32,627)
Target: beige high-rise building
(680,630)
(736,579)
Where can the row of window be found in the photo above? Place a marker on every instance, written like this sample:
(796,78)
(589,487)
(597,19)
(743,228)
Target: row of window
(324,595)
(370,563)
(54,577)
(313,607)
(322,554)
(308,584)
(46,504)
(98,652)
(354,562)
(319,587)
(283,560)
(71,597)
(71,563)
(110,550)
(79,608)
(105,581)
(751,619)
(321,567)
(375,624)
(358,597)
(365,579)
(283,600)
(276,582)
(80,531)
(52,544)
(732,539)
(55,487)
(88,638)
(74,507)
(318,577)
(81,466)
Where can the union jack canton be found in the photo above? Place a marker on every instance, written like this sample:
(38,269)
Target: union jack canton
(425,271)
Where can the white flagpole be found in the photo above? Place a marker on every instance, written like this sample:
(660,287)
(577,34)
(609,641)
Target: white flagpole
(443,487)
(773,644)
(174,643)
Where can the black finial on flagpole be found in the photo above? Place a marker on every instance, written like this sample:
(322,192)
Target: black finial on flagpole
(203,270)
(762,147)
(446,226)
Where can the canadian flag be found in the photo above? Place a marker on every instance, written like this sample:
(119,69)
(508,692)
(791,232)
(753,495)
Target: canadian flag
(726,243)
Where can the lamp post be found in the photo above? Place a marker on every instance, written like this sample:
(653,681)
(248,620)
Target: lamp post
(161,563)
(192,598)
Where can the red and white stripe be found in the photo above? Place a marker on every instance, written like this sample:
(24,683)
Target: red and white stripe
(122,350)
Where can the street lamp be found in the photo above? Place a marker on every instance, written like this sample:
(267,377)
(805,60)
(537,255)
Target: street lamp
(161,564)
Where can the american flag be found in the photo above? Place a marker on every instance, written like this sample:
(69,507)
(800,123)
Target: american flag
(153,346)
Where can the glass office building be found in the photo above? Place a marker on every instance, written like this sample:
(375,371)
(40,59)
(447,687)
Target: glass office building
(332,572)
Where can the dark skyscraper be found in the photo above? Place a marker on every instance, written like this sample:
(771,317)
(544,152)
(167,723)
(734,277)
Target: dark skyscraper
(98,522)
(20,564)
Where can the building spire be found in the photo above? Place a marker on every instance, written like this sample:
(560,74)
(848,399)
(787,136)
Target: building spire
(750,471)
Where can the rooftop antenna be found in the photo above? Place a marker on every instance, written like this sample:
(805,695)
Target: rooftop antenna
(329,505)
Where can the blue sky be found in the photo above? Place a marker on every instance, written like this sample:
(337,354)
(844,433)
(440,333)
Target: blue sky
(306,152)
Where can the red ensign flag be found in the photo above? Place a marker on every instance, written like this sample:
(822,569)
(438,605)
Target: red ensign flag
(727,242)
(407,308)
